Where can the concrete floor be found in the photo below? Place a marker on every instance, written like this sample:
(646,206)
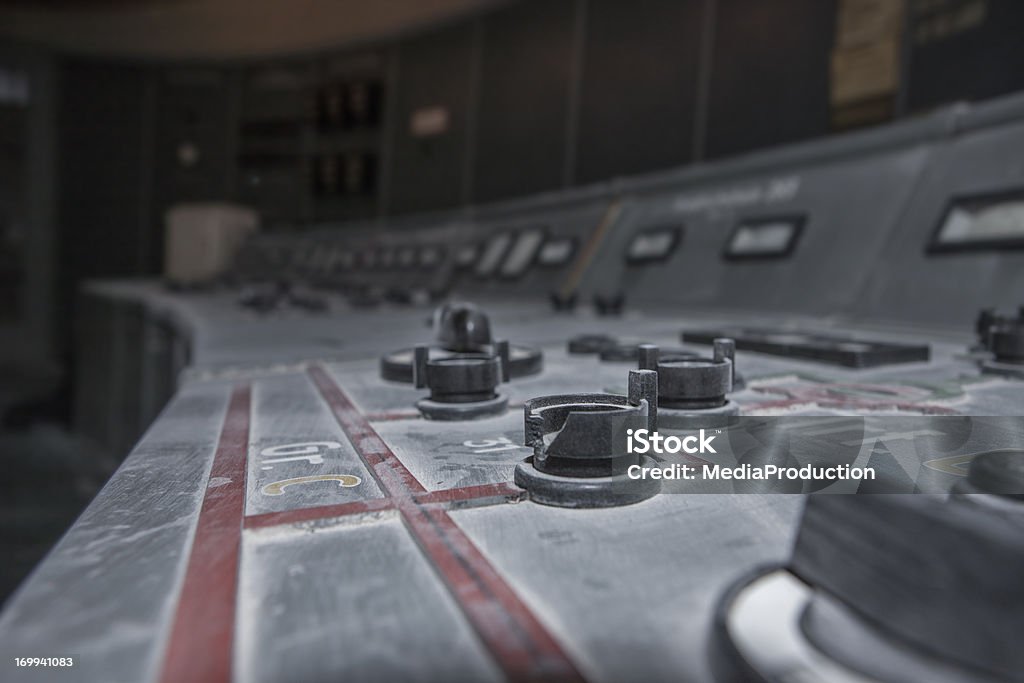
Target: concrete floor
(49,475)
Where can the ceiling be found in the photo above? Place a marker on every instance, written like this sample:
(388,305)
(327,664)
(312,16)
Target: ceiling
(192,29)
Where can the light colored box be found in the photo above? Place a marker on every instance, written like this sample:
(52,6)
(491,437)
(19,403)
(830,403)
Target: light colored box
(201,240)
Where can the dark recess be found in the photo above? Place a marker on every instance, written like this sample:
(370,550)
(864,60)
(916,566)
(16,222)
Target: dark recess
(639,89)
(434,71)
(770,74)
(524,99)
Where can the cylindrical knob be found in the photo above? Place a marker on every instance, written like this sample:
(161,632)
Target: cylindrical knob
(1006,342)
(904,562)
(584,435)
(461,378)
(692,383)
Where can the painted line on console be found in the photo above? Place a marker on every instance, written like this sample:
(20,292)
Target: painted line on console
(481,494)
(321,512)
(516,639)
(392,476)
(199,649)
(464,496)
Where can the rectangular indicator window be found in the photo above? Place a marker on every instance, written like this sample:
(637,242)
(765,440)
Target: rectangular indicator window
(653,244)
(430,256)
(978,223)
(406,257)
(557,252)
(765,238)
(465,256)
(522,254)
(493,251)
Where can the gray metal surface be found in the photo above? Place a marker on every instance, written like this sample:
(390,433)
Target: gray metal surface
(302,590)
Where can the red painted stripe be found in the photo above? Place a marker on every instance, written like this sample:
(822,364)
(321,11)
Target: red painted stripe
(200,645)
(385,466)
(481,493)
(517,640)
(359,507)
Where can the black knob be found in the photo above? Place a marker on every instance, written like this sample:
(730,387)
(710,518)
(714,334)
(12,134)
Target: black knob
(462,327)
(998,472)
(563,303)
(1006,341)
(463,385)
(461,378)
(609,304)
(580,454)
(687,383)
(943,579)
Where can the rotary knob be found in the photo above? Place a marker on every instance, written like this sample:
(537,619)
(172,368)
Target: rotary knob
(580,454)
(882,588)
(694,385)
(462,386)
(1006,340)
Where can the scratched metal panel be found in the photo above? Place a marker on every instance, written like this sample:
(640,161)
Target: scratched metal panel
(447,455)
(629,592)
(296,447)
(107,591)
(356,601)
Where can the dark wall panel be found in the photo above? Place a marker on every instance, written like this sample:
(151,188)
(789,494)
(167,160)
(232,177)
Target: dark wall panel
(639,88)
(193,115)
(427,172)
(103,138)
(770,73)
(524,99)
(965,50)
(192,154)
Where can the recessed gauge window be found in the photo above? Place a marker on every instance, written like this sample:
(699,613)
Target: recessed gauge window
(406,257)
(765,238)
(466,255)
(429,257)
(493,251)
(557,251)
(522,254)
(653,244)
(983,222)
